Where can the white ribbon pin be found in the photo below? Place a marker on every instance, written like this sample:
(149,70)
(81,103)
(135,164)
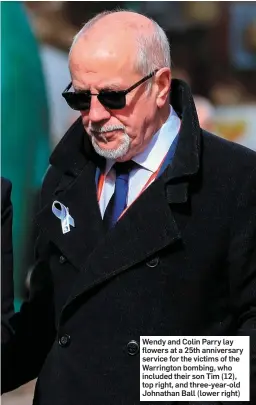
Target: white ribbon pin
(61,212)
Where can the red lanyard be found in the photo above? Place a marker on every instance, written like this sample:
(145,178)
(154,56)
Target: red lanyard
(100,185)
(102,179)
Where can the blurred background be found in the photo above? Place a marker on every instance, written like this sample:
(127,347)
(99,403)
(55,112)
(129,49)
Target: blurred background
(213,47)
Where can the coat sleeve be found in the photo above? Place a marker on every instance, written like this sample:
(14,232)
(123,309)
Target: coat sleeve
(242,267)
(7,296)
(34,332)
(24,353)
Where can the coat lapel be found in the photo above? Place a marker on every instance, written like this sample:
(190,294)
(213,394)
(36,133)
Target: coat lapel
(147,227)
(81,200)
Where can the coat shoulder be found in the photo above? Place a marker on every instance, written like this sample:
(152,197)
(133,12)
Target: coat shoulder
(226,155)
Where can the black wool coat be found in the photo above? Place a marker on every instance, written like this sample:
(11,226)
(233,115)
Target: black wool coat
(181,261)
(7,308)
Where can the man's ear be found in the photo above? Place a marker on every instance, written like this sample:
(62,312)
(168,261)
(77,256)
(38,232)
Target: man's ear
(163,81)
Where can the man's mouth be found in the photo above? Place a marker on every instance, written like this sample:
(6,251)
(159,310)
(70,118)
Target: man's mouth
(99,136)
(106,136)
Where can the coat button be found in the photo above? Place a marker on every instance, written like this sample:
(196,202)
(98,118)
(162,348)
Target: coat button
(132,348)
(64,340)
(62,259)
(153,262)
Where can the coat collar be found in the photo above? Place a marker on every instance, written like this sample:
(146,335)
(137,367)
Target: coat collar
(186,159)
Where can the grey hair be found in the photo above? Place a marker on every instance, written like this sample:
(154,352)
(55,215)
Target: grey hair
(153,48)
(153,51)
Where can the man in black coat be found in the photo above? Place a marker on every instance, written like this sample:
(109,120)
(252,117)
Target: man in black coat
(7,308)
(180,258)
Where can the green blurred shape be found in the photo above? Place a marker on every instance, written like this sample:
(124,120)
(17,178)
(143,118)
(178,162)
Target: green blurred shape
(133,5)
(17,304)
(24,125)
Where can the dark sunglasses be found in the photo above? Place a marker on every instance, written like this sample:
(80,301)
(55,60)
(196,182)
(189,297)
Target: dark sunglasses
(111,99)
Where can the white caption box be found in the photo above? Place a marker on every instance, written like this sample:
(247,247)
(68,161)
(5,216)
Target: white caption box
(194,368)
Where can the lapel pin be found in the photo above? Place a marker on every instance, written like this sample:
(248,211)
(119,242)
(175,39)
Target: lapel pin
(62,212)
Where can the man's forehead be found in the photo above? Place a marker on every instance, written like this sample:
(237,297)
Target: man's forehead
(107,44)
(111,84)
(106,72)
(104,50)
(100,78)
(107,36)
(108,67)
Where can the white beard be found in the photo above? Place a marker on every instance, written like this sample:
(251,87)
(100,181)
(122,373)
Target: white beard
(119,152)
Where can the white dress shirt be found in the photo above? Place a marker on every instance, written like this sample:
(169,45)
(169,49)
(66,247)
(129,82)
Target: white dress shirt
(148,162)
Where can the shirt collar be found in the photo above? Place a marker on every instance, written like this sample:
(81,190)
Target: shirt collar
(151,157)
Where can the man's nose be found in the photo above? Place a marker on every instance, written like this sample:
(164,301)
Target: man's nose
(97,111)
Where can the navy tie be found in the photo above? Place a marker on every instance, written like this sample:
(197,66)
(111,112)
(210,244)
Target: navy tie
(118,201)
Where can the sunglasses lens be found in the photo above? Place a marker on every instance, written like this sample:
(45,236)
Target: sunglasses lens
(77,101)
(82,101)
(112,99)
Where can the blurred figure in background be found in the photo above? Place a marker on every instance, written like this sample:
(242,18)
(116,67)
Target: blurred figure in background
(206,112)
(7,308)
(204,107)
(54,33)
(24,127)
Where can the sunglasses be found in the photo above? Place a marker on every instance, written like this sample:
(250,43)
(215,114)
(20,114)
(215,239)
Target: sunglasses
(115,100)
